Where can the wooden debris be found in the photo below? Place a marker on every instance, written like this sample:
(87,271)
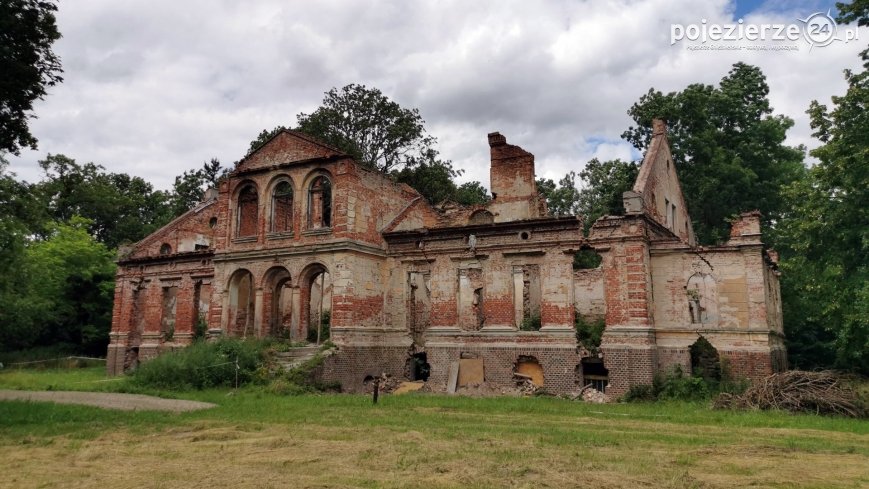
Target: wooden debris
(798,391)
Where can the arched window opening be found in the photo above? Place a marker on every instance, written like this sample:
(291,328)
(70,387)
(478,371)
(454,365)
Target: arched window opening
(165,249)
(481,217)
(319,306)
(282,208)
(320,203)
(278,299)
(248,206)
(241,304)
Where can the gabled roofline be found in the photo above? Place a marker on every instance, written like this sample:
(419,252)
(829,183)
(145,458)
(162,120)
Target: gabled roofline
(297,134)
(152,236)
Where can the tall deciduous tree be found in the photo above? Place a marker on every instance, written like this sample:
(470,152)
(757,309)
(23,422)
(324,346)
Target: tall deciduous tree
(856,11)
(366,124)
(382,136)
(562,199)
(598,194)
(189,187)
(824,235)
(29,66)
(603,183)
(727,145)
(64,294)
(120,208)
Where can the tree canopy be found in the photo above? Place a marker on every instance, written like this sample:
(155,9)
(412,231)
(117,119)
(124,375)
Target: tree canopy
(383,136)
(189,187)
(824,234)
(366,124)
(727,146)
(29,66)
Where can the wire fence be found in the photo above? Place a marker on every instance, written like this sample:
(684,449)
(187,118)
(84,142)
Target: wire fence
(59,362)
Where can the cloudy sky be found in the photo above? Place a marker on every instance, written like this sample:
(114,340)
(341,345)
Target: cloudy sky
(156,87)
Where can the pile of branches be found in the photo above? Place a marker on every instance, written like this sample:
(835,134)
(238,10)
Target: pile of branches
(799,391)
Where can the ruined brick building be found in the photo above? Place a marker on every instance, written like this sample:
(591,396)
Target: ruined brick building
(458,295)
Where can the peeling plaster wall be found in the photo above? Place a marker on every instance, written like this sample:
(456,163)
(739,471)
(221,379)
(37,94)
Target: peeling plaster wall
(588,286)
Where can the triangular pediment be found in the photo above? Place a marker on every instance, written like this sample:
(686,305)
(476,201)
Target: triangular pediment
(657,192)
(287,147)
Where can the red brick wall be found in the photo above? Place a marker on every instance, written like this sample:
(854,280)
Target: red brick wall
(559,365)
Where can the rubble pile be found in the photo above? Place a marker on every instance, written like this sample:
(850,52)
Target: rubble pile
(524,385)
(592,395)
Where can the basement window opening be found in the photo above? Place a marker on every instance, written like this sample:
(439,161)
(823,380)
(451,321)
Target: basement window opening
(594,373)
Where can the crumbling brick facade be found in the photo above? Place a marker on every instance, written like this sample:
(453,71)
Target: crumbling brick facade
(299,229)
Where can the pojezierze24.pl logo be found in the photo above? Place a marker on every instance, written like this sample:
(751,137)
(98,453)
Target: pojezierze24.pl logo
(818,29)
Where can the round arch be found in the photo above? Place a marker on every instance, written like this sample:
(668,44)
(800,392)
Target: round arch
(481,216)
(315,285)
(245,201)
(318,192)
(278,302)
(241,304)
(280,203)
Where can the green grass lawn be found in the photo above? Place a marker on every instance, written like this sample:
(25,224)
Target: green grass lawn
(257,439)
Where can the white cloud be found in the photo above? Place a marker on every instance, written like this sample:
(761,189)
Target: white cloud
(155,88)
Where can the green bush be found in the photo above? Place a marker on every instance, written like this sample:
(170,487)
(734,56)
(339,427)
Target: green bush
(589,334)
(531,323)
(586,259)
(675,386)
(640,393)
(200,329)
(283,387)
(204,365)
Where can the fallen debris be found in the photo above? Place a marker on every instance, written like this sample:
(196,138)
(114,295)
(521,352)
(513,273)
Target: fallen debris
(588,394)
(525,385)
(592,395)
(405,387)
(798,391)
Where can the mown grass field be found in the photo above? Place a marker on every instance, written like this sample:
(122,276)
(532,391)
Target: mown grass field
(257,439)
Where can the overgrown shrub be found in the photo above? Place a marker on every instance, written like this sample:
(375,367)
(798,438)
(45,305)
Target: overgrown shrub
(674,385)
(531,323)
(586,259)
(640,393)
(589,333)
(200,329)
(679,387)
(204,365)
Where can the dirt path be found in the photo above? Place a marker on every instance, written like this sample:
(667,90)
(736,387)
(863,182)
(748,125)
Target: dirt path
(126,402)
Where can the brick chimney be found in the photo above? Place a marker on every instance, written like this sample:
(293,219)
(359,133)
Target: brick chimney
(514,191)
(746,227)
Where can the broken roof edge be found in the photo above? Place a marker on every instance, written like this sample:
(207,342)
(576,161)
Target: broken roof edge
(522,223)
(659,135)
(125,251)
